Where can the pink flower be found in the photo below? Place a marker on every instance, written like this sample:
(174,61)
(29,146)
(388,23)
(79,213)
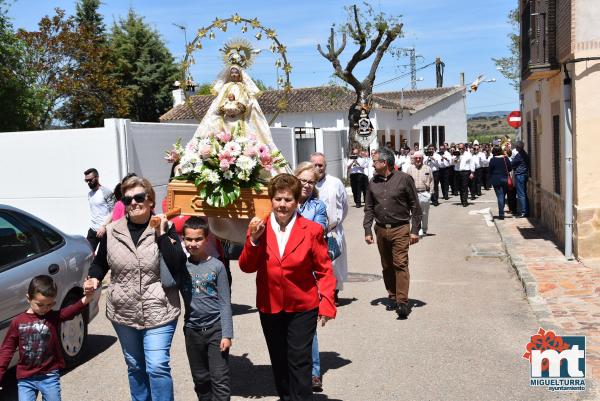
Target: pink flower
(263,150)
(224,165)
(266,161)
(205,151)
(224,136)
(250,151)
(224,155)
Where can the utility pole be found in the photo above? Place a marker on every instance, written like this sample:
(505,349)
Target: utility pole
(411,52)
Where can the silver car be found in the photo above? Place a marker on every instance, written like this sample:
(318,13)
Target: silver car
(30,247)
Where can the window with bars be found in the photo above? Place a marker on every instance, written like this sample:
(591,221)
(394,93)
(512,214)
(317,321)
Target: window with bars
(556,151)
(426,135)
(441,134)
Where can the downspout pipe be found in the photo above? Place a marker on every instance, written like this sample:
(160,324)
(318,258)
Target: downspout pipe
(568,154)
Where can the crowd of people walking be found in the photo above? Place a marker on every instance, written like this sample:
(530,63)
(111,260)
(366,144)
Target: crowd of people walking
(298,252)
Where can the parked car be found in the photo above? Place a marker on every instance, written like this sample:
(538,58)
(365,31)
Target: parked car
(30,247)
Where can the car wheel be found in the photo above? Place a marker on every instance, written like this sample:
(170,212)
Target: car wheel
(72,334)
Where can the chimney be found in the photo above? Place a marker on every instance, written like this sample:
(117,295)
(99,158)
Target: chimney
(178,95)
(462,79)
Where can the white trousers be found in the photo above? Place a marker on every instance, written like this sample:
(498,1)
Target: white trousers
(424,198)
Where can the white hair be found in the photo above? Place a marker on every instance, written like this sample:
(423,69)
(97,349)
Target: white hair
(418,153)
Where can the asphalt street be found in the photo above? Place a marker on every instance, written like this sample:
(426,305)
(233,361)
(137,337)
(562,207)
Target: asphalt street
(464,339)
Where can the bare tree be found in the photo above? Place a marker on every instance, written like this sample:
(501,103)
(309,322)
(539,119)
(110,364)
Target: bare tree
(373,34)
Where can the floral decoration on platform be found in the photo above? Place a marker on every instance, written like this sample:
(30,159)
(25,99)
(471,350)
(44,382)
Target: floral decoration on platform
(221,163)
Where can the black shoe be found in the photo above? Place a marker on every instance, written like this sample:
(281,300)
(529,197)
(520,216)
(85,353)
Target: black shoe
(358,205)
(391,306)
(465,204)
(336,299)
(436,204)
(403,311)
(500,217)
(317,384)
(473,198)
(446,198)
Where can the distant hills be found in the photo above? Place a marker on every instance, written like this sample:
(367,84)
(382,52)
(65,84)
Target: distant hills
(485,114)
(487,125)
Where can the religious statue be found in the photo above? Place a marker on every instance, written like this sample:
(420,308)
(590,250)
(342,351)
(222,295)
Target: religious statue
(233,115)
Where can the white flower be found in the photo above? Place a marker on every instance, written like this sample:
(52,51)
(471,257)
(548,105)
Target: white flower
(233,148)
(198,168)
(245,163)
(243,175)
(228,175)
(213,177)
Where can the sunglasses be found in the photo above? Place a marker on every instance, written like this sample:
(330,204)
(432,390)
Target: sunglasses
(304,182)
(139,198)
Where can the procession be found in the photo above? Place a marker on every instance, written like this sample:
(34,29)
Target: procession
(241,241)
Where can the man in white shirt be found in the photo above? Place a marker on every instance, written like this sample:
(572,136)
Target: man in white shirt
(333,193)
(102,202)
(356,166)
(423,179)
(433,160)
(445,169)
(474,150)
(403,160)
(465,170)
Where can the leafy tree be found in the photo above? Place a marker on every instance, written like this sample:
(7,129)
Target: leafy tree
(50,50)
(510,66)
(95,93)
(144,66)
(19,101)
(87,16)
(373,33)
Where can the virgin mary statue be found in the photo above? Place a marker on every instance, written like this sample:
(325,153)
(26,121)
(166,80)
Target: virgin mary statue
(236,111)
(235,108)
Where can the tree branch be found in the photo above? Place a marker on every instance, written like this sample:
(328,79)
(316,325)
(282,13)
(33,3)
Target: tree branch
(374,43)
(362,42)
(391,35)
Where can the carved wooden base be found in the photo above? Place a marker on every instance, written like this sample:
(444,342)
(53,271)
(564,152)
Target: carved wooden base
(184,195)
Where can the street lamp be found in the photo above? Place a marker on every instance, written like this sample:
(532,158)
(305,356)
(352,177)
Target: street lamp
(478,81)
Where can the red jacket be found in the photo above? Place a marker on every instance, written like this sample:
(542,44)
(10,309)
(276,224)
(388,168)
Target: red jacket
(288,283)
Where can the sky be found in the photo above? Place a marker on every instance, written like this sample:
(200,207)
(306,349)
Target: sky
(465,34)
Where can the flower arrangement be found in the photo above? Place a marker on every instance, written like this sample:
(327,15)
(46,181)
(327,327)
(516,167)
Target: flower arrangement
(222,163)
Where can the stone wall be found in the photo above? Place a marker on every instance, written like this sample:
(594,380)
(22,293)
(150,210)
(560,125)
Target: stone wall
(548,208)
(587,233)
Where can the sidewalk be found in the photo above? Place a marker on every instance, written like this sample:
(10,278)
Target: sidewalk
(565,296)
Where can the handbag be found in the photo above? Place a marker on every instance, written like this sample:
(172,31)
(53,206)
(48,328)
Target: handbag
(510,180)
(333,248)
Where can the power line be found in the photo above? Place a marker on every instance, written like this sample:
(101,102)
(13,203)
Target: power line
(403,75)
(492,105)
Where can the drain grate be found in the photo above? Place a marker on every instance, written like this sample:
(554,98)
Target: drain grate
(362,277)
(488,250)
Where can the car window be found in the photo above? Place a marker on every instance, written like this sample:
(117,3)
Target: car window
(49,237)
(17,241)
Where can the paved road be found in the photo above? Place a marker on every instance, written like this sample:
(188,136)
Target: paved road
(463,340)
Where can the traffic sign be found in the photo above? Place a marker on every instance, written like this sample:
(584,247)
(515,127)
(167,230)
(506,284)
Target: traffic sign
(514,119)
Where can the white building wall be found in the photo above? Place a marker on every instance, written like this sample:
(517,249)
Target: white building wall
(317,120)
(450,112)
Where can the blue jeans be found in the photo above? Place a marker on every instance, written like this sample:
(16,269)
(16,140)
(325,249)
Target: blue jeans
(501,190)
(147,355)
(521,187)
(316,360)
(48,384)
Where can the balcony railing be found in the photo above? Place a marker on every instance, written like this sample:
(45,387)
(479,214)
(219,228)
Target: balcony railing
(538,39)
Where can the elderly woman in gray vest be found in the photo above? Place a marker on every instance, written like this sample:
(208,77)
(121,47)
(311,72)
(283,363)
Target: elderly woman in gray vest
(143,313)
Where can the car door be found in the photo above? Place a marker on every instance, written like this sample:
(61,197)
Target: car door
(24,254)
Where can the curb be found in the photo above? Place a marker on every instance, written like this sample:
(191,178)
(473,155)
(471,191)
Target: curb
(530,286)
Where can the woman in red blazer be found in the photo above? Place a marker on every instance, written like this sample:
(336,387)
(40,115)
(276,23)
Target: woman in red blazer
(289,252)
